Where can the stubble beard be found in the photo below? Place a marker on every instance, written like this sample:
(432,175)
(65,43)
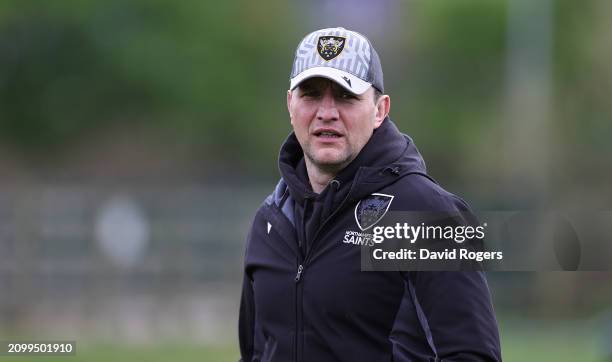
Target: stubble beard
(331,167)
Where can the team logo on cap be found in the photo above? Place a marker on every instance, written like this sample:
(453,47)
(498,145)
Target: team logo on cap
(370,210)
(330,47)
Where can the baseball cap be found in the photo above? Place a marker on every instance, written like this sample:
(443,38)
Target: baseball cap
(344,56)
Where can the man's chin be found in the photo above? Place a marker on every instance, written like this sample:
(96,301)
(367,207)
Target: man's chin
(330,162)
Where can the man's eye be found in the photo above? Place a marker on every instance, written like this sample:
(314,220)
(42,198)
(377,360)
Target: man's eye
(348,96)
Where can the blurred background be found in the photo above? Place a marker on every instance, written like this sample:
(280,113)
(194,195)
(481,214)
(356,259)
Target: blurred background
(138,138)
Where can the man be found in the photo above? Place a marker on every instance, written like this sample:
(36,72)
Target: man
(304,296)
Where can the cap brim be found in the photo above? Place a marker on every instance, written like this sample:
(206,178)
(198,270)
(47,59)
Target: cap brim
(350,82)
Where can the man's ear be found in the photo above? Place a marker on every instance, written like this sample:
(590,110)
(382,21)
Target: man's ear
(289,95)
(383,104)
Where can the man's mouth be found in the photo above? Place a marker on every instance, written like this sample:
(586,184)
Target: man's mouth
(327,133)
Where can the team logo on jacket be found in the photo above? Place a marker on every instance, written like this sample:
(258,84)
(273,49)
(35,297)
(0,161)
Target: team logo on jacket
(330,47)
(370,210)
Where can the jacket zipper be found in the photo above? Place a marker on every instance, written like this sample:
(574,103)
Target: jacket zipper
(300,271)
(298,276)
(298,297)
(298,314)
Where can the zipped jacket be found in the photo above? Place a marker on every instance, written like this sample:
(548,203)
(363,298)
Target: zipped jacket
(304,296)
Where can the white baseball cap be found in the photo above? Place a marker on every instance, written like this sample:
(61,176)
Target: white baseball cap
(344,56)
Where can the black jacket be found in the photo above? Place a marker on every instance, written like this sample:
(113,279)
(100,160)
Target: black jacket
(304,297)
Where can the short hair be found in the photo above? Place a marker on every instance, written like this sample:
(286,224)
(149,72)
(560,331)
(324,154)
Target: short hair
(377,94)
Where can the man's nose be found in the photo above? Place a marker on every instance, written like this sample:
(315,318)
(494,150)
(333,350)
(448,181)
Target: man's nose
(327,108)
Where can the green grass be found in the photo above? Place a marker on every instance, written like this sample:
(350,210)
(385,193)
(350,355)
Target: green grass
(160,353)
(523,340)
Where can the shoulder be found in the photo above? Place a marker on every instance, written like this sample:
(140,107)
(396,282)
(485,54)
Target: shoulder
(263,213)
(421,193)
(277,196)
(274,198)
(279,200)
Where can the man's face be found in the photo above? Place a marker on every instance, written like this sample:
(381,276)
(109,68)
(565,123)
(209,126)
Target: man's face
(332,124)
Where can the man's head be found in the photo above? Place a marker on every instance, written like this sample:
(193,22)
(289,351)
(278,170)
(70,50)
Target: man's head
(335,99)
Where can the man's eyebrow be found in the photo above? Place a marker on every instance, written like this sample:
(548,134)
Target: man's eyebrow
(309,88)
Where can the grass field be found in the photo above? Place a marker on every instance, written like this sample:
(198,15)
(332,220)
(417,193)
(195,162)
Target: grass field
(165,353)
(520,349)
(558,341)
(522,341)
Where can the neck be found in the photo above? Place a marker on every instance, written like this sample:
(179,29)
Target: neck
(318,177)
